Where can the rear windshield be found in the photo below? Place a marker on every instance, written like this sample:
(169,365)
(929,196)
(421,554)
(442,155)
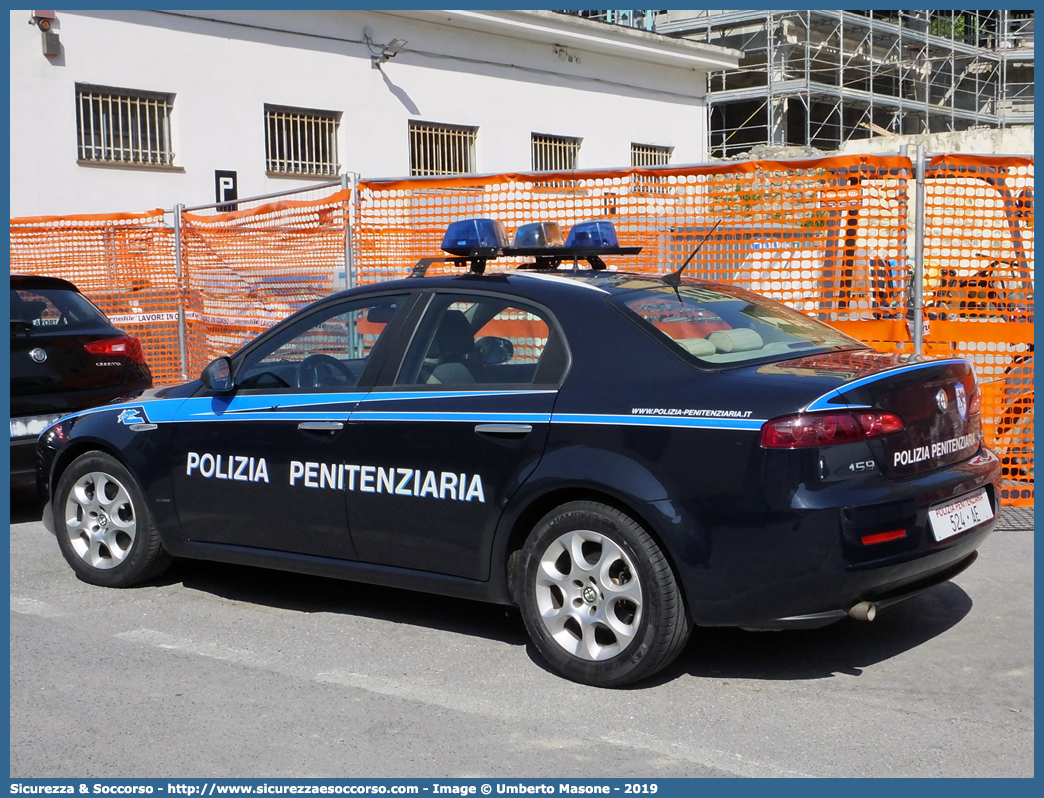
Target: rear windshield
(53,309)
(723,324)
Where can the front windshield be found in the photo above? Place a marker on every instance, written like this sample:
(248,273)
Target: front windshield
(724,324)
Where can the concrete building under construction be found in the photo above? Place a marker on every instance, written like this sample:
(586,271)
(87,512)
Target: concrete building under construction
(823,78)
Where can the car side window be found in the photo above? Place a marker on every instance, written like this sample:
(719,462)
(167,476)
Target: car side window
(323,351)
(483,340)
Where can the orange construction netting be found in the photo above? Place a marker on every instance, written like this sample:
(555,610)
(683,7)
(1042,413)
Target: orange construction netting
(247,269)
(826,235)
(123,262)
(829,236)
(978,294)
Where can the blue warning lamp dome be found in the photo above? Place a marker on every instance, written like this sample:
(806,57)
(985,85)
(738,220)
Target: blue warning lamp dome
(475,236)
(592,234)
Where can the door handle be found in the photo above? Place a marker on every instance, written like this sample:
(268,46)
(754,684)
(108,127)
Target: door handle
(504,429)
(321,426)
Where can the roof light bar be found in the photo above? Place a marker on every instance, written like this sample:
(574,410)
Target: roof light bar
(474,241)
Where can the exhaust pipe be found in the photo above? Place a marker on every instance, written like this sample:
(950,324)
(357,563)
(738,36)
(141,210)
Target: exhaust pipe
(863,611)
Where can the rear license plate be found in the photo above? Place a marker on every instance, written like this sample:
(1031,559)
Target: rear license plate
(955,517)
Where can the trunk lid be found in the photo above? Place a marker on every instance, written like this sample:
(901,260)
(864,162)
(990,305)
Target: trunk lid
(49,370)
(936,399)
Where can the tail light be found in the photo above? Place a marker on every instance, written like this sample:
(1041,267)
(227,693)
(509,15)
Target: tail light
(827,429)
(125,346)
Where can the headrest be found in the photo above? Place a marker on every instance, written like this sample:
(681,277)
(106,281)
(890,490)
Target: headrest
(453,338)
(697,346)
(741,340)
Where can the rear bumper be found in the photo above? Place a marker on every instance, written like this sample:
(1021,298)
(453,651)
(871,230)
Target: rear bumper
(880,599)
(803,563)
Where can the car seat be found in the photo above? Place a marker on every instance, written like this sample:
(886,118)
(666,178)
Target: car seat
(453,345)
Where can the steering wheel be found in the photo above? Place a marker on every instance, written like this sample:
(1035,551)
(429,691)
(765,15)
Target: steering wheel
(318,370)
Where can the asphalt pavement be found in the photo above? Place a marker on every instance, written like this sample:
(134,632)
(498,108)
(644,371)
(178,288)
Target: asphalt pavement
(227,671)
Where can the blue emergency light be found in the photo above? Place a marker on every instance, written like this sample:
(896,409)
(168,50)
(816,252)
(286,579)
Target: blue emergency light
(474,241)
(475,237)
(593,235)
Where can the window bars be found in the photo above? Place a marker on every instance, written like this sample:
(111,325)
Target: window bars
(441,149)
(300,141)
(554,153)
(645,155)
(120,126)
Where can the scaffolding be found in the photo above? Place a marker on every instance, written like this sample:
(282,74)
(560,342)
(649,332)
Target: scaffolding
(822,78)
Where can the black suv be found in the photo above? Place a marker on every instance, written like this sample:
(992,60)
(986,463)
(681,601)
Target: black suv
(65,356)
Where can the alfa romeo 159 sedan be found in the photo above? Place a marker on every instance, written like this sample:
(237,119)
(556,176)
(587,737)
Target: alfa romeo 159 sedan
(622,456)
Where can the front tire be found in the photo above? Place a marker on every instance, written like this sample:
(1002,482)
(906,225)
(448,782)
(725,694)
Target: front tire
(599,598)
(104,528)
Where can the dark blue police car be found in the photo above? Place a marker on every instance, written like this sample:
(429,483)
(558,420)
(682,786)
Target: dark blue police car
(623,456)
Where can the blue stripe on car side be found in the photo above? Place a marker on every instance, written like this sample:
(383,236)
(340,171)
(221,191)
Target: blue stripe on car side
(392,396)
(163,411)
(158,410)
(296,401)
(485,418)
(659,421)
(289,407)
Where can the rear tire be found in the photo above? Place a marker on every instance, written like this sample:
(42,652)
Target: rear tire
(104,528)
(599,598)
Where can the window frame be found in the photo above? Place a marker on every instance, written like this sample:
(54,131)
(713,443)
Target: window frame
(309,124)
(305,319)
(650,184)
(557,344)
(421,131)
(621,302)
(119,115)
(547,140)
(643,151)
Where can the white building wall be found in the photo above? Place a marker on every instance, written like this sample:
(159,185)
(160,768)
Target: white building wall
(222,70)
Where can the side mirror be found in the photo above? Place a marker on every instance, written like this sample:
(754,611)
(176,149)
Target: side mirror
(217,376)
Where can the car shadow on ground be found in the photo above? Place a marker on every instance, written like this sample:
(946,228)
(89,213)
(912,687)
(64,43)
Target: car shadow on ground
(311,594)
(26,506)
(846,647)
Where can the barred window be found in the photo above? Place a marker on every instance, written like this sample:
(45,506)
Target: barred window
(123,126)
(441,149)
(301,141)
(650,155)
(554,153)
